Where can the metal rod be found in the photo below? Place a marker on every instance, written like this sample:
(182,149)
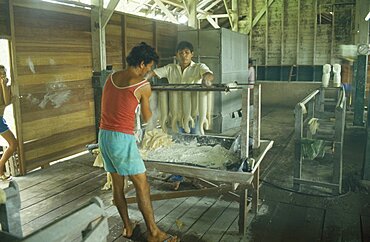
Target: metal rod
(309,97)
(194,87)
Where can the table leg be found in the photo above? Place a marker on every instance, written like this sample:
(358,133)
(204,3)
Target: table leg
(243,210)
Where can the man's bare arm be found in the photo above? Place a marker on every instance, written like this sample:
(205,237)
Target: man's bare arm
(149,75)
(6,91)
(146,112)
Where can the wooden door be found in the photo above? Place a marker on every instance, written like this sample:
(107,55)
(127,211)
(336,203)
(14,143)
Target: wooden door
(54,109)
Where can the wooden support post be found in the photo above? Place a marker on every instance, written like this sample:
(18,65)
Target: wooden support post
(314,37)
(360,85)
(15,93)
(191,7)
(256,190)
(107,14)
(366,175)
(361,37)
(250,28)
(243,211)
(256,116)
(340,119)
(124,40)
(266,35)
(298,39)
(235,15)
(98,36)
(245,123)
(298,134)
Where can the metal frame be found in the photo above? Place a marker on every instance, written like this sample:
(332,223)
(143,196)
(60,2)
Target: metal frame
(313,106)
(229,180)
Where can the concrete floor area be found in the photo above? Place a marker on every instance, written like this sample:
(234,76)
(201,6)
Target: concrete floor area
(313,214)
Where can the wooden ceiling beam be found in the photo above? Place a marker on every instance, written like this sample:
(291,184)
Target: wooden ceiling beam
(174,3)
(213,22)
(228,13)
(209,7)
(203,3)
(260,15)
(191,9)
(165,10)
(108,12)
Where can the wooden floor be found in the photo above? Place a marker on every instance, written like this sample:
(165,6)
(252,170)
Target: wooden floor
(284,215)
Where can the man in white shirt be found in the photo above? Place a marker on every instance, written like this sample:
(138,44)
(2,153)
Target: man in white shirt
(187,71)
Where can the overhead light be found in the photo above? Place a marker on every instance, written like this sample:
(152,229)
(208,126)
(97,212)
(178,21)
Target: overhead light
(367,17)
(183,19)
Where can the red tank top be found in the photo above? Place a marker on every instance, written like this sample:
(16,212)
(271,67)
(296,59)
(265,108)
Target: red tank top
(118,106)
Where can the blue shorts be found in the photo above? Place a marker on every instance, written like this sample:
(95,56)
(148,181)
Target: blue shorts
(3,126)
(120,153)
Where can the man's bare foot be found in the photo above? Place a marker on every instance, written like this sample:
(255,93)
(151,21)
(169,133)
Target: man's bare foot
(128,231)
(163,237)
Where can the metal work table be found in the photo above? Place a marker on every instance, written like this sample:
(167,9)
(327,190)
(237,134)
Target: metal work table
(227,181)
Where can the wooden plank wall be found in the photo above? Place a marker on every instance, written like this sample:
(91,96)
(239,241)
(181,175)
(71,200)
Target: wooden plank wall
(289,34)
(274,33)
(113,42)
(166,36)
(53,66)
(139,30)
(258,47)
(307,18)
(4,18)
(323,37)
(53,62)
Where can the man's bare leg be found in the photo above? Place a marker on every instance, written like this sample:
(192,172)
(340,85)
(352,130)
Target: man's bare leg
(9,137)
(145,205)
(121,203)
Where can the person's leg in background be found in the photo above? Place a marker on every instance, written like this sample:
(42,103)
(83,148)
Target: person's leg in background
(8,152)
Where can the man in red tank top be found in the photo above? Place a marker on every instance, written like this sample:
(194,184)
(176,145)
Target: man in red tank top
(122,93)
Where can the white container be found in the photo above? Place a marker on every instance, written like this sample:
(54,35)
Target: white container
(326,75)
(337,77)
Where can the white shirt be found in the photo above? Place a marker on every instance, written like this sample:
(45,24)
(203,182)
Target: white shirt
(191,74)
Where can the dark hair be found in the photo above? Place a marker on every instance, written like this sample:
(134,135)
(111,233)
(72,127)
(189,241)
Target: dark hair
(250,61)
(142,52)
(184,45)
